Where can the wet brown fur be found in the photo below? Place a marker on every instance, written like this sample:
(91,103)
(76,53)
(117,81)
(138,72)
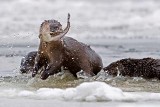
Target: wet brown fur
(146,67)
(67,53)
(27,62)
(70,54)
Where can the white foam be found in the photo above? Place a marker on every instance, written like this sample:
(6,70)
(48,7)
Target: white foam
(88,91)
(25,93)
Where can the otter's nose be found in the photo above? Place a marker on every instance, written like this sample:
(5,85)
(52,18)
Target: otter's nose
(22,70)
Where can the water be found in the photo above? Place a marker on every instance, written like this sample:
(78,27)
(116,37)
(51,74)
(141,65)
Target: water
(114,29)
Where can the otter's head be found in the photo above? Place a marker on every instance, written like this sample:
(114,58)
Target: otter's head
(114,68)
(51,30)
(27,62)
(26,66)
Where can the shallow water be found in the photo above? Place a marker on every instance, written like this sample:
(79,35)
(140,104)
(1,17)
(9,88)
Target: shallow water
(115,29)
(63,88)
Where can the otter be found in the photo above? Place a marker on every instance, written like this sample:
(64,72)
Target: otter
(56,51)
(27,62)
(147,68)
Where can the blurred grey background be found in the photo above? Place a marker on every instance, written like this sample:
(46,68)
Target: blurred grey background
(90,19)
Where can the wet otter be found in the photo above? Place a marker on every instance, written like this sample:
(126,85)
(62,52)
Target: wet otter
(56,51)
(146,67)
(27,62)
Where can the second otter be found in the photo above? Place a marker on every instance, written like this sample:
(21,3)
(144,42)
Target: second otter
(147,68)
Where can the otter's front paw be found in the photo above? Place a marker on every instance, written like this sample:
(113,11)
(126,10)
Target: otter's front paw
(44,75)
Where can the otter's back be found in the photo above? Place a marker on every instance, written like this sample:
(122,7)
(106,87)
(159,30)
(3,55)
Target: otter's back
(81,51)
